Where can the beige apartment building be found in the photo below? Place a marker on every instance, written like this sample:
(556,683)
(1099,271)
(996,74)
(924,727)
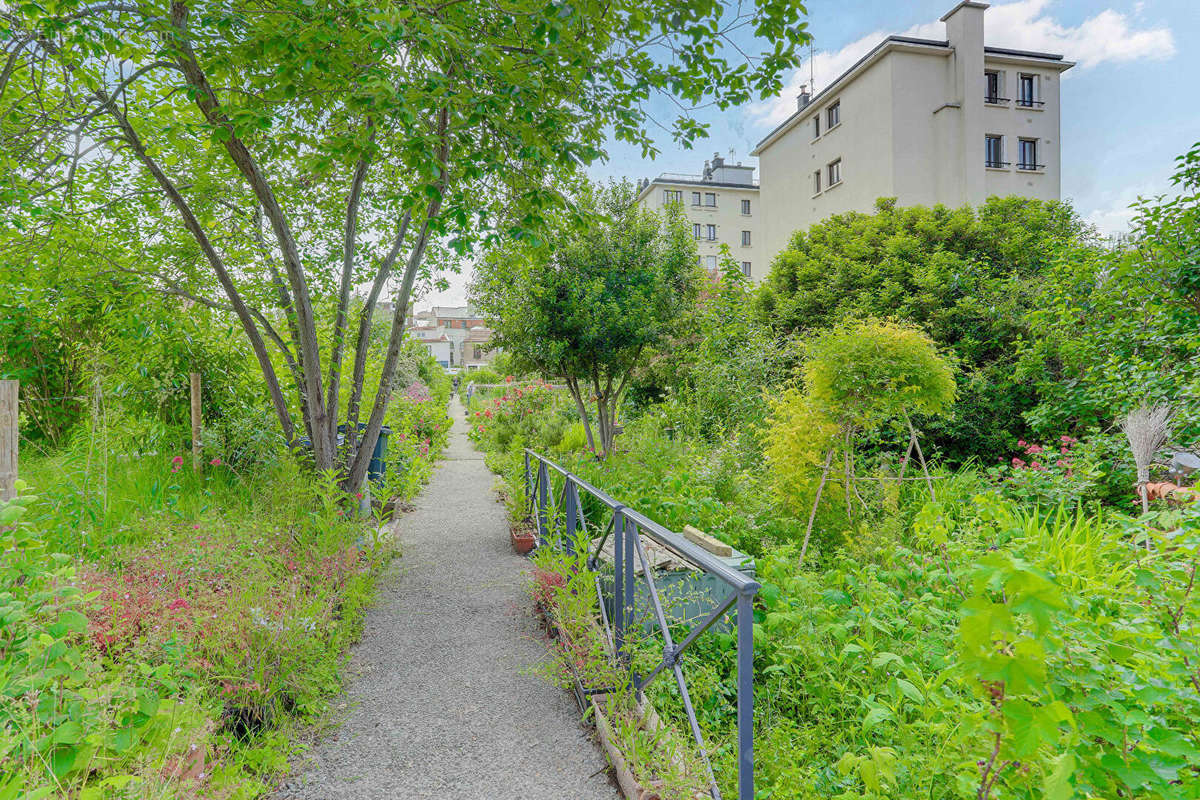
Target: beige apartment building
(925,121)
(722,206)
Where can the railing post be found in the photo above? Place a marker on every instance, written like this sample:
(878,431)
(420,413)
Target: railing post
(543,480)
(745,694)
(528,485)
(571,500)
(618,580)
(630,532)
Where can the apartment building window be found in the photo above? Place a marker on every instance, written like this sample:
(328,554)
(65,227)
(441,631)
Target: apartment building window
(745,238)
(1027,155)
(746,268)
(994,151)
(712,233)
(1027,94)
(834,176)
(746,208)
(710,199)
(710,262)
(478,352)
(695,198)
(696,229)
(817,126)
(993,87)
(817,182)
(672,196)
(833,116)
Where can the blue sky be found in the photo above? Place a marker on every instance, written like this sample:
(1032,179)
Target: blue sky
(1130,105)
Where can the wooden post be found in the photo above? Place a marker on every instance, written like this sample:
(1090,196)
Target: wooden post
(196,422)
(9,439)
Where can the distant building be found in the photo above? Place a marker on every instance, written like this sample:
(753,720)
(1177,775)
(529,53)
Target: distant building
(456,336)
(722,206)
(926,121)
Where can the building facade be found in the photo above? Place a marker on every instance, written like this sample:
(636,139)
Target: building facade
(925,121)
(456,336)
(722,207)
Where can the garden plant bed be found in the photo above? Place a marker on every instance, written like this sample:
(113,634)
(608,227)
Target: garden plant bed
(649,759)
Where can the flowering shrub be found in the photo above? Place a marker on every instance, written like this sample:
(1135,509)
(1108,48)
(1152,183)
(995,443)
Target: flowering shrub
(517,416)
(1044,474)
(165,661)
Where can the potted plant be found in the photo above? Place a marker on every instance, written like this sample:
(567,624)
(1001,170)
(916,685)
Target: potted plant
(523,537)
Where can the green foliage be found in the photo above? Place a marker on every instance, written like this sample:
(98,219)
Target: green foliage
(718,365)
(966,276)
(586,305)
(871,372)
(1112,331)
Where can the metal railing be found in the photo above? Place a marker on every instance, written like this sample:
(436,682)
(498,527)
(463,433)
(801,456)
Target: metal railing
(628,526)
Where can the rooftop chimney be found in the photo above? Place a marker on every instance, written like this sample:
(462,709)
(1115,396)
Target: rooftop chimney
(804,98)
(717,161)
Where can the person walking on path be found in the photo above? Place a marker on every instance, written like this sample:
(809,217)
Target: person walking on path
(444,698)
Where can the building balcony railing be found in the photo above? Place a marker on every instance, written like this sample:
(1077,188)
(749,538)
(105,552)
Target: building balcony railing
(997,164)
(1030,167)
(995,99)
(1029,102)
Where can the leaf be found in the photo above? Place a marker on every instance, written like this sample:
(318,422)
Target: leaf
(67,733)
(1057,785)
(910,691)
(876,716)
(74,621)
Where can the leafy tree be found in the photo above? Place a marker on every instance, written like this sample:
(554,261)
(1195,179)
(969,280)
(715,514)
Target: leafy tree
(1112,331)
(584,305)
(263,161)
(857,376)
(967,276)
(719,362)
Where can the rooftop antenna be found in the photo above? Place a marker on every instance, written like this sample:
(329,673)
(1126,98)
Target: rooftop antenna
(812,75)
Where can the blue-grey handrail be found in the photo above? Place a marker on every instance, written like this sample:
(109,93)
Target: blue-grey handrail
(627,525)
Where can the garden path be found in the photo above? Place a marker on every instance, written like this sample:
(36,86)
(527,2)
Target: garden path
(443,699)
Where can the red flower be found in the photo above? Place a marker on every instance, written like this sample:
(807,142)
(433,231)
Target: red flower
(509,379)
(177,461)
(178,604)
(358,495)
(481,429)
(1060,463)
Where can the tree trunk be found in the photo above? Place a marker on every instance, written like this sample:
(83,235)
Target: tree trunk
(573,388)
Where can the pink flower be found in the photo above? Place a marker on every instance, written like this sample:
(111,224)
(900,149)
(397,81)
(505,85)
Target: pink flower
(196,527)
(1020,442)
(1016,462)
(216,462)
(1067,439)
(177,461)
(358,495)
(1036,465)
(1060,463)
(1033,449)
(178,604)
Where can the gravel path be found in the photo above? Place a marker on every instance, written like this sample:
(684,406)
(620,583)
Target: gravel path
(443,699)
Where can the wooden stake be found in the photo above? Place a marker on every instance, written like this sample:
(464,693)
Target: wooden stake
(9,439)
(920,457)
(812,516)
(196,420)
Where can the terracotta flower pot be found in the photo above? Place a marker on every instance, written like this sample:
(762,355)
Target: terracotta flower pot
(523,541)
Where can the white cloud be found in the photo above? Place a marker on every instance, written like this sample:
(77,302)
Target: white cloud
(1108,36)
